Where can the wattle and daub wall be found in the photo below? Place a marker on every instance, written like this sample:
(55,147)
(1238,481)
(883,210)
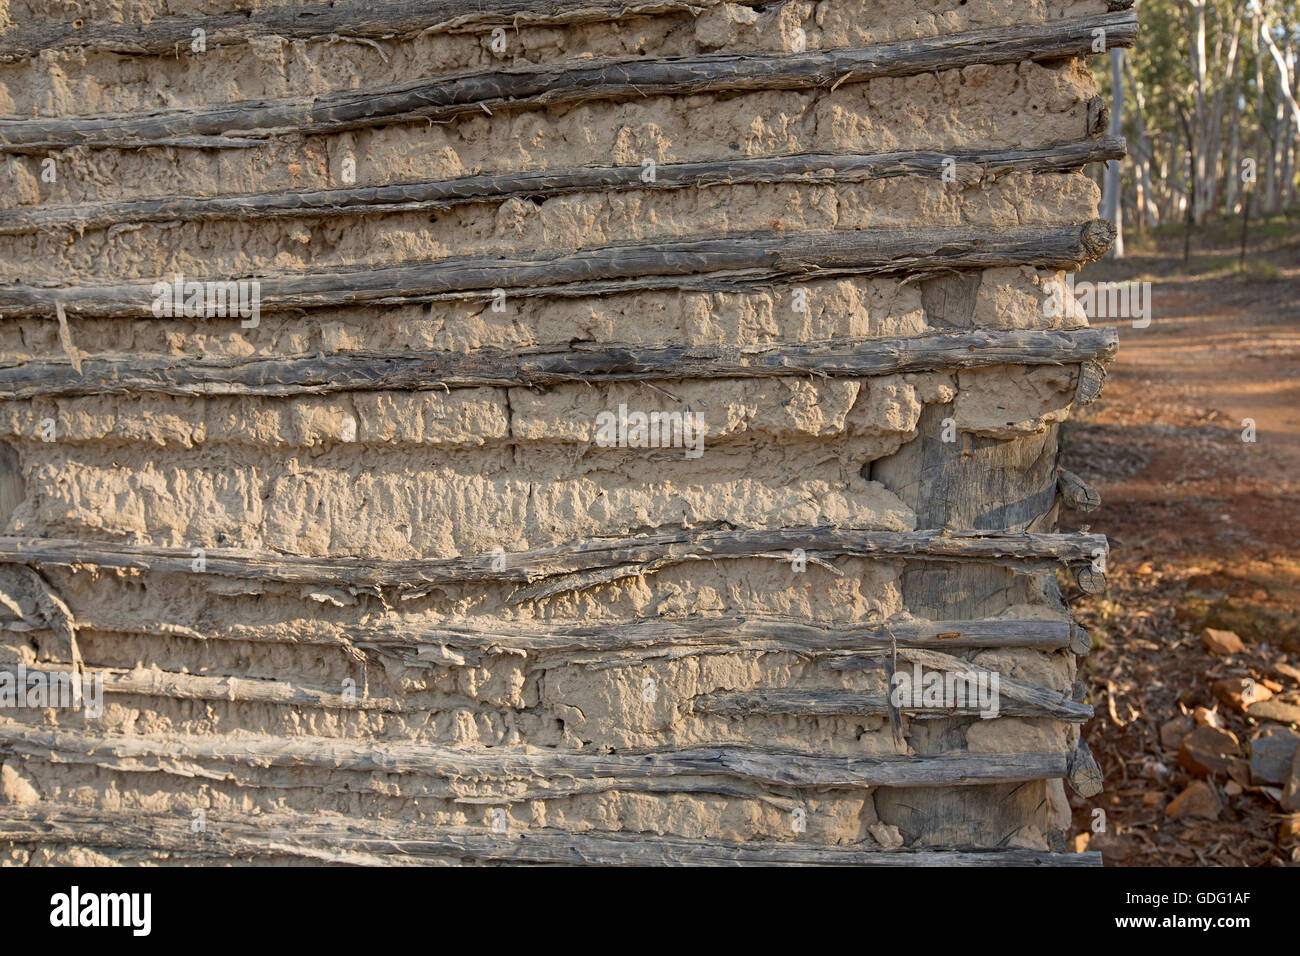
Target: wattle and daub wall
(365,570)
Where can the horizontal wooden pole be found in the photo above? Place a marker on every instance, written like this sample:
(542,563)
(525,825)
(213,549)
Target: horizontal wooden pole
(825,703)
(405,18)
(552,365)
(441,97)
(430,195)
(1016,699)
(834,703)
(151,682)
(790,636)
(331,839)
(626,557)
(714,263)
(545,646)
(464,767)
(1015,694)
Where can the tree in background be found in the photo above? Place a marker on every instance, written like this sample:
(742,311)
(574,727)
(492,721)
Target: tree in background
(1208,103)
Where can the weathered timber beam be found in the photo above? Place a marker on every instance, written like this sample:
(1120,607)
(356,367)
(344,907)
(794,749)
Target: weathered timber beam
(440,97)
(323,20)
(750,634)
(1080,641)
(836,703)
(179,753)
(405,18)
(1083,772)
(426,196)
(1053,703)
(1092,377)
(1076,492)
(612,644)
(722,262)
(150,682)
(348,840)
(551,365)
(627,556)
(1015,699)
(1022,695)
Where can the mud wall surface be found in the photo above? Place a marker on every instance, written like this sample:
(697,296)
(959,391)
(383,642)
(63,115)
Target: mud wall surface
(522,431)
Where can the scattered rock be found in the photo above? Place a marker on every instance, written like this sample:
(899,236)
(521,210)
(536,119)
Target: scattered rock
(1154,770)
(1198,800)
(1271,755)
(1285,671)
(1233,789)
(1222,642)
(1277,710)
(1291,789)
(1240,692)
(1207,751)
(1273,793)
(1079,842)
(1173,731)
(1204,717)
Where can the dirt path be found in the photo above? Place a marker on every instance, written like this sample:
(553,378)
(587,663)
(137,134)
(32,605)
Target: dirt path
(1205,530)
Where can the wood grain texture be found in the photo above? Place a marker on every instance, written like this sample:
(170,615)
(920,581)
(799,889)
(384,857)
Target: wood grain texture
(152,682)
(973,482)
(599,645)
(401,19)
(335,840)
(1016,698)
(627,556)
(991,505)
(442,97)
(701,263)
(1000,485)
(1084,773)
(12,485)
(971,166)
(488,772)
(1076,492)
(827,703)
(1080,641)
(547,365)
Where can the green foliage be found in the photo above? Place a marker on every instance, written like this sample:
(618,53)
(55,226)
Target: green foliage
(1160,100)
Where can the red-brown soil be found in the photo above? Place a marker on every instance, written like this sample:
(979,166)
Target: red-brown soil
(1204,530)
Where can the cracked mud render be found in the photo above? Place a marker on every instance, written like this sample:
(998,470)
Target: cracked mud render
(624,668)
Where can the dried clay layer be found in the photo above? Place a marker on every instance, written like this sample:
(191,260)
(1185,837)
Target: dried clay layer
(437,625)
(727,414)
(70,80)
(1022,105)
(802,311)
(462,610)
(67,835)
(833,817)
(517,226)
(733,698)
(768,463)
